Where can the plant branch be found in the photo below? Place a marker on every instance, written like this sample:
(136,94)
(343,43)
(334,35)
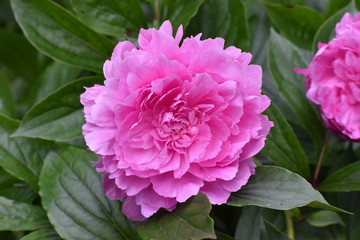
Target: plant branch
(289,225)
(321,159)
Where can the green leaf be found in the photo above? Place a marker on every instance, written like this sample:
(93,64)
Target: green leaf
(113,17)
(251,222)
(21,157)
(226,19)
(7,106)
(6,179)
(283,57)
(324,218)
(19,193)
(189,220)
(297,23)
(71,193)
(277,188)
(335,5)
(346,179)
(248,226)
(282,146)
(179,12)
(327,29)
(357,4)
(223,236)
(59,116)
(289,3)
(17,216)
(54,76)
(269,232)
(43,234)
(17,54)
(57,33)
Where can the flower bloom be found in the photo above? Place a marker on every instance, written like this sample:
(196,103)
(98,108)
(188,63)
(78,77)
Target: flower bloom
(333,79)
(173,121)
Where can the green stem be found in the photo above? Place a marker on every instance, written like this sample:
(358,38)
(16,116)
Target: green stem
(289,225)
(321,159)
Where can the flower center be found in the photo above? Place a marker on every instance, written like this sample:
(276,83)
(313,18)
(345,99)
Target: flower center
(177,124)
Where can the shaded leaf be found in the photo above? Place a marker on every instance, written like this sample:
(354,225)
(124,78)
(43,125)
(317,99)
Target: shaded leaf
(327,29)
(6,179)
(19,192)
(297,23)
(248,226)
(226,19)
(282,146)
(324,218)
(283,58)
(335,5)
(269,232)
(43,234)
(71,193)
(345,179)
(54,76)
(21,157)
(357,4)
(7,106)
(17,216)
(277,188)
(113,17)
(59,116)
(189,220)
(17,54)
(179,12)
(70,40)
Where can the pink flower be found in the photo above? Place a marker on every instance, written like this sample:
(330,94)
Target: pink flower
(173,121)
(333,79)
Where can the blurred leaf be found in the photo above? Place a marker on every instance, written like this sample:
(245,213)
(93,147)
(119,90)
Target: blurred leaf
(226,19)
(251,222)
(43,234)
(6,179)
(283,58)
(269,232)
(179,12)
(7,106)
(335,5)
(297,23)
(57,33)
(324,218)
(19,193)
(327,29)
(259,27)
(189,220)
(248,226)
(282,146)
(17,54)
(54,76)
(17,216)
(223,236)
(21,157)
(357,4)
(277,188)
(113,17)
(344,180)
(71,193)
(286,2)
(59,116)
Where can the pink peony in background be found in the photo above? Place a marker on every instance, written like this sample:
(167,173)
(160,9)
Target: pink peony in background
(173,121)
(333,79)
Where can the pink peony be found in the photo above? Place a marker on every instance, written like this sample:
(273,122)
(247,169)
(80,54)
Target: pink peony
(333,79)
(173,121)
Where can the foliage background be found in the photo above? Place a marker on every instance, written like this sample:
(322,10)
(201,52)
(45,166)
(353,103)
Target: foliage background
(50,50)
